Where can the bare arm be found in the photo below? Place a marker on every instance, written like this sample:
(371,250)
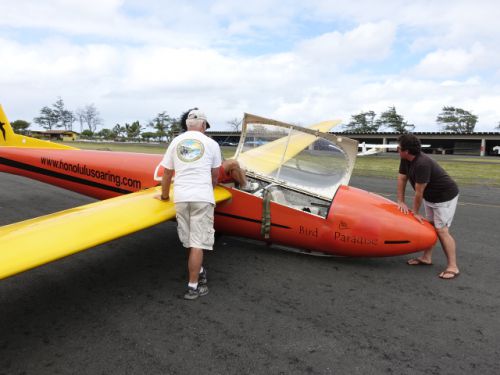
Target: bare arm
(402,180)
(215,176)
(166,181)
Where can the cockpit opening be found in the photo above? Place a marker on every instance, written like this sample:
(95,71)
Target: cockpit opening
(307,160)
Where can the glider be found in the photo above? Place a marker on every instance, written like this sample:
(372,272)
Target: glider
(304,201)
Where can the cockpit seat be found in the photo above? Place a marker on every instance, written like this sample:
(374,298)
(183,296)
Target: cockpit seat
(279,197)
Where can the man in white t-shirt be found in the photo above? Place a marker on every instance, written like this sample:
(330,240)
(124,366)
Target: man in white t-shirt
(230,169)
(195,159)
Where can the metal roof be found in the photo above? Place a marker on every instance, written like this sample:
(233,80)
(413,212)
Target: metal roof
(395,134)
(419,133)
(53,131)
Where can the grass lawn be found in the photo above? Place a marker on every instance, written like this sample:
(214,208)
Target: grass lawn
(472,170)
(148,148)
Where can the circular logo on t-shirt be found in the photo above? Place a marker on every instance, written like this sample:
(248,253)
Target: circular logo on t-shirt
(190,150)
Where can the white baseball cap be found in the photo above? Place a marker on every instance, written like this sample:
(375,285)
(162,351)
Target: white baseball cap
(196,114)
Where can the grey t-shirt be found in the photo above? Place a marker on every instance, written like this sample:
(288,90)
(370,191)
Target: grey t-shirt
(440,186)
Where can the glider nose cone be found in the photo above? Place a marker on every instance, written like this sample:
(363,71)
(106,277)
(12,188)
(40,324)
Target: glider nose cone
(404,232)
(366,224)
(424,234)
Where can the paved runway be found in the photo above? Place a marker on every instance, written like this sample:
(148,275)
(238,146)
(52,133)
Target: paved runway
(116,309)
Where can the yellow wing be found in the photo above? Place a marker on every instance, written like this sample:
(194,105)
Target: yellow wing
(34,242)
(269,157)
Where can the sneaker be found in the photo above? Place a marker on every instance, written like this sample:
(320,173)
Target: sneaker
(250,186)
(202,278)
(193,293)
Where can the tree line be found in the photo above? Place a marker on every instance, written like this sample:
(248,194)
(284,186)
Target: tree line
(163,127)
(57,116)
(450,118)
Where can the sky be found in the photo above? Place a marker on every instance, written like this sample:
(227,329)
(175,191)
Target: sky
(295,61)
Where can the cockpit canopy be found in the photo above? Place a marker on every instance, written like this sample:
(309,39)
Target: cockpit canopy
(307,160)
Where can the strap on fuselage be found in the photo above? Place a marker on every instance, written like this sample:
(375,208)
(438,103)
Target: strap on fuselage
(265,229)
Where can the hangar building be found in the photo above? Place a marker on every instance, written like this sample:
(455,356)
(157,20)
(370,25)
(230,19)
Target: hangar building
(475,143)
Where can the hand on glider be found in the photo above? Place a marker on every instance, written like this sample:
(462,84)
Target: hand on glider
(403,208)
(162,198)
(420,218)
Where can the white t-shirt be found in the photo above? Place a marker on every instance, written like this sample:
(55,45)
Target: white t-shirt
(192,155)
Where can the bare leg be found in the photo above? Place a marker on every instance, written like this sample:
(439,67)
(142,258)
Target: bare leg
(194,264)
(232,167)
(425,258)
(449,248)
(239,176)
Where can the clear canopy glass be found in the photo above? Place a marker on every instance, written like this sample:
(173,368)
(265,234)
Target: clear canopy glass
(301,158)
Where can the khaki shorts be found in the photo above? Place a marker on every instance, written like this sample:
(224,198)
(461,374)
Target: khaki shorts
(195,224)
(441,214)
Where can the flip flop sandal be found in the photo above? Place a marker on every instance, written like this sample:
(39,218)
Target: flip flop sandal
(454,275)
(419,262)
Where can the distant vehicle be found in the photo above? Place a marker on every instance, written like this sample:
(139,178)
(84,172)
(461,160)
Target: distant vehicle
(229,143)
(255,143)
(496,150)
(371,149)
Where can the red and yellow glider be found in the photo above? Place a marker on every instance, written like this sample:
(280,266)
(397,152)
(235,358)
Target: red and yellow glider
(304,200)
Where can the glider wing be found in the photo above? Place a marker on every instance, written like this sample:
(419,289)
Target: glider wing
(34,242)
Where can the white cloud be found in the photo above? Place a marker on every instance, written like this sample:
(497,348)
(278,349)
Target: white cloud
(452,62)
(55,63)
(105,20)
(369,41)
(135,62)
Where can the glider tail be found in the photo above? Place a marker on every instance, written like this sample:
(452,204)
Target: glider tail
(6,132)
(9,138)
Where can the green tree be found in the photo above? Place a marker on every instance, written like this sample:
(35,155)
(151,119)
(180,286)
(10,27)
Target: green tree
(363,122)
(118,131)
(161,123)
(175,128)
(87,133)
(165,126)
(456,120)
(105,133)
(65,118)
(392,120)
(20,126)
(147,136)
(57,116)
(47,119)
(133,130)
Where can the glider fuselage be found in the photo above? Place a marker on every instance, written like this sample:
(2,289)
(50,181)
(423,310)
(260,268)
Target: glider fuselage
(356,223)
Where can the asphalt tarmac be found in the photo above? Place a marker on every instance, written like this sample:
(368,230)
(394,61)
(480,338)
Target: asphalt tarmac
(117,308)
